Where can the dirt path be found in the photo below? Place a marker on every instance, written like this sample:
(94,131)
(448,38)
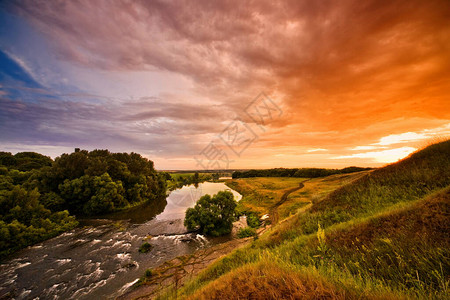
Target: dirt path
(274,217)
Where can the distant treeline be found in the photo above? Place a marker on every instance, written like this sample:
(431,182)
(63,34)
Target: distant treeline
(178,180)
(301,173)
(38,196)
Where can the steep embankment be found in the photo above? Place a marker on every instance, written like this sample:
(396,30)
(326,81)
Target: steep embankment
(396,254)
(386,236)
(408,180)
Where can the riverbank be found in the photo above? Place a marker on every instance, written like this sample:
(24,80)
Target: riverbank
(172,274)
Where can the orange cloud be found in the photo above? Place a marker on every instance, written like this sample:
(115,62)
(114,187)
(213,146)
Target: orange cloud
(382,156)
(349,75)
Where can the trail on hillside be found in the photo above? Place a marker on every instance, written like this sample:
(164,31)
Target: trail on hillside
(274,217)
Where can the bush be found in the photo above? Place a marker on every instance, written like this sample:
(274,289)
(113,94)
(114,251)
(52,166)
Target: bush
(212,215)
(246,232)
(145,247)
(148,273)
(253,220)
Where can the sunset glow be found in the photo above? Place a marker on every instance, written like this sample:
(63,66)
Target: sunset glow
(345,82)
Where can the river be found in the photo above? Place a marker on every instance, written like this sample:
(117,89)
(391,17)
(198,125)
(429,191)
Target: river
(100,258)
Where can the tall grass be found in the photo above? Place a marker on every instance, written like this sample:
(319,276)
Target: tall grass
(420,174)
(406,249)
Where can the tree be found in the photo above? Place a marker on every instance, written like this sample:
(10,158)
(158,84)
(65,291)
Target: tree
(91,195)
(167,176)
(71,166)
(26,161)
(212,215)
(37,194)
(7,159)
(196,177)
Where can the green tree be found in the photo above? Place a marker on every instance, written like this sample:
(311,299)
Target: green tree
(212,215)
(196,177)
(71,166)
(118,171)
(52,201)
(37,193)
(92,195)
(7,159)
(167,176)
(26,161)
(97,166)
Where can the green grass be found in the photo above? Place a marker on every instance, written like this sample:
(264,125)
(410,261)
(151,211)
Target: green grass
(384,235)
(267,279)
(404,248)
(260,194)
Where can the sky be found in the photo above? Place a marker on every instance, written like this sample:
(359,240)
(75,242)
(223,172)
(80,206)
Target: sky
(226,84)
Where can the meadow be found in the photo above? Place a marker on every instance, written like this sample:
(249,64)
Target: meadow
(261,194)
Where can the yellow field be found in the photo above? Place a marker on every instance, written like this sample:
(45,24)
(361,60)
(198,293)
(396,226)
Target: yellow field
(315,190)
(260,194)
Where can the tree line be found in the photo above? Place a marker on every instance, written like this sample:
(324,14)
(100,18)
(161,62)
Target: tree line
(178,180)
(296,172)
(40,197)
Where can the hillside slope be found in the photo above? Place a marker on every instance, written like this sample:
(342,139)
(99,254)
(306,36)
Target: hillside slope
(385,235)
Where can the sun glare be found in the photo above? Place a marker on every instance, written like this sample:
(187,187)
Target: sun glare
(383,156)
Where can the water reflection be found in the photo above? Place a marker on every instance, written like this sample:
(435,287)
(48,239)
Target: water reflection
(181,199)
(141,213)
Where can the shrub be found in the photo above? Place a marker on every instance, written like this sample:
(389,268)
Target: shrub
(253,220)
(145,247)
(246,232)
(148,273)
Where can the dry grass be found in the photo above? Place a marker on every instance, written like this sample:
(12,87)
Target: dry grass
(425,220)
(315,190)
(270,281)
(260,194)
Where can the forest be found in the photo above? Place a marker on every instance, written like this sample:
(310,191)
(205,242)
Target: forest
(41,197)
(295,172)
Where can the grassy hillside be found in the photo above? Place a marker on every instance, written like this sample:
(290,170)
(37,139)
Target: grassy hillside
(382,236)
(260,194)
